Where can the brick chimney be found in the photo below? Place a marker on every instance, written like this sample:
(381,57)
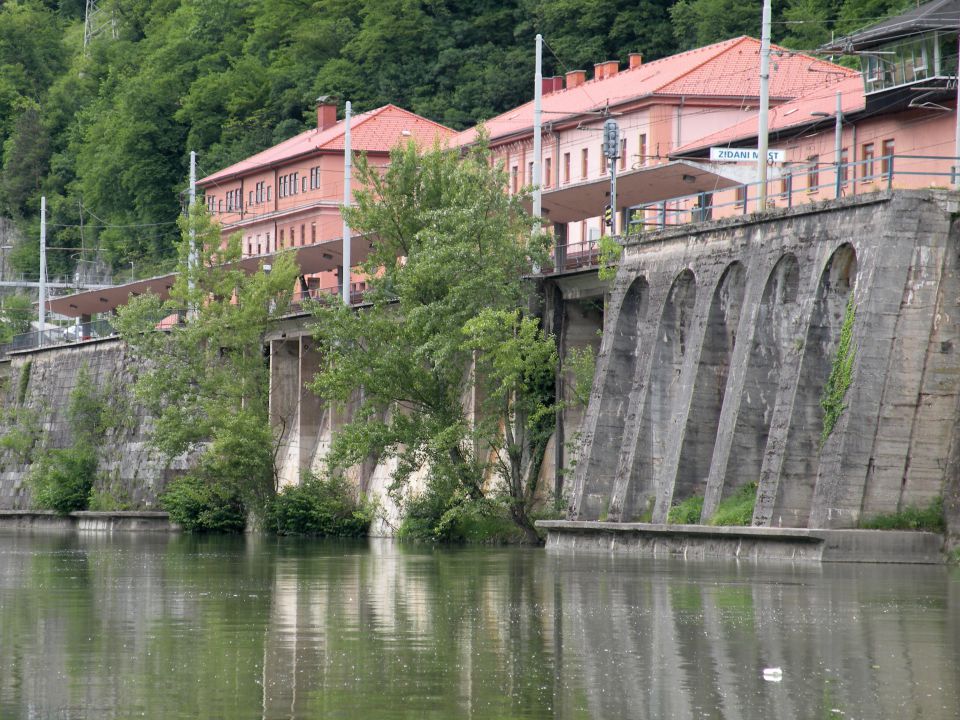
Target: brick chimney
(636,60)
(326,112)
(576,78)
(599,70)
(611,68)
(552,84)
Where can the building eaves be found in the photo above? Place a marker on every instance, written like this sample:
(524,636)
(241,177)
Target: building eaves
(935,15)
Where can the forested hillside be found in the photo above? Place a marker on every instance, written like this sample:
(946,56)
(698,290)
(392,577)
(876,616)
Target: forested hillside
(105,132)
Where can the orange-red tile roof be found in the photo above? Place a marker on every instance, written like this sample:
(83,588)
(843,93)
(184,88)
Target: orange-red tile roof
(375,131)
(725,69)
(793,114)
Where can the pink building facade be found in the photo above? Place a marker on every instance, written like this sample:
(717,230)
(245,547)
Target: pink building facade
(289,196)
(659,106)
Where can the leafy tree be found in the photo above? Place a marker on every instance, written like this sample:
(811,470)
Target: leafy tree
(206,381)
(25,161)
(449,248)
(16,311)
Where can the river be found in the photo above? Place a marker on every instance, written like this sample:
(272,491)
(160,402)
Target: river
(191,627)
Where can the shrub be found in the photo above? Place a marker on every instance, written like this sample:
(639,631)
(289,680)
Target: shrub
(910,518)
(201,506)
(736,509)
(61,480)
(686,513)
(320,506)
(437,515)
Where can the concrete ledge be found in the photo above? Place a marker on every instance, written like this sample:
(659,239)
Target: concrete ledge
(753,543)
(87,521)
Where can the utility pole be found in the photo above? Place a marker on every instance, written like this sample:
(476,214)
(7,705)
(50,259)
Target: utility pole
(193,201)
(347,172)
(956,147)
(42,309)
(537,130)
(611,149)
(192,259)
(763,121)
(838,143)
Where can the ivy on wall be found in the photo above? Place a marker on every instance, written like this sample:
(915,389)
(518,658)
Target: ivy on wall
(841,375)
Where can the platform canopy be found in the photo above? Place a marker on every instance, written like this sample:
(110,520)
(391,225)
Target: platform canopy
(320,257)
(642,186)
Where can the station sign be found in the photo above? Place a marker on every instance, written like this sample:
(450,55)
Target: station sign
(728,154)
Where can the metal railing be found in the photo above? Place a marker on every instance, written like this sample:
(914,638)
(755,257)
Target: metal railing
(59,335)
(301,298)
(799,184)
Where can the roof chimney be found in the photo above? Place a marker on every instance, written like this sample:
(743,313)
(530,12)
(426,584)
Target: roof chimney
(599,70)
(576,78)
(636,60)
(546,85)
(326,112)
(611,68)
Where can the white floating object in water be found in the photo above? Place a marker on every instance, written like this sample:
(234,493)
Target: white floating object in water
(773,674)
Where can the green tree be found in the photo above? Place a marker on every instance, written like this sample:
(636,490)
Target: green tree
(16,311)
(206,381)
(449,249)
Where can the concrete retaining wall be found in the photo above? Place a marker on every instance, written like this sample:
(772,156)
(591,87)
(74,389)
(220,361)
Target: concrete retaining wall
(746,543)
(103,522)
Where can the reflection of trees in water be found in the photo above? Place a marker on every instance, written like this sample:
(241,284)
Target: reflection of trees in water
(203,627)
(446,633)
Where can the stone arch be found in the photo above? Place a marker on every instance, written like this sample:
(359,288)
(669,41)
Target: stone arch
(710,384)
(802,456)
(670,347)
(615,394)
(772,335)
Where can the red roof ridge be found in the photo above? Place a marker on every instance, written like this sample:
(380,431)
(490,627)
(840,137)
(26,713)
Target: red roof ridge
(340,126)
(417,117)
(711,52)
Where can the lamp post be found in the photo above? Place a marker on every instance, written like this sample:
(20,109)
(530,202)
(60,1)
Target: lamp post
(837,142)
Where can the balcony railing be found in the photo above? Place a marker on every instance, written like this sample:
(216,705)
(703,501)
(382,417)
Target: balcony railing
(799,185)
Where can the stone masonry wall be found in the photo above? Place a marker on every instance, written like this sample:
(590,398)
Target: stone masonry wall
(35,400)
(718,340)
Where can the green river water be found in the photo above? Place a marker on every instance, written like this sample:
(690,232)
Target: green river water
(96,626)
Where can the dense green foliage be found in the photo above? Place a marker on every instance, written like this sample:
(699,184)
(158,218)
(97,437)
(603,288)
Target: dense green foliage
(16,312)
(320,506)
(62,478)
(833,399)
(201,506)
(105,133)
(206,381)
(455,382)
(910,518)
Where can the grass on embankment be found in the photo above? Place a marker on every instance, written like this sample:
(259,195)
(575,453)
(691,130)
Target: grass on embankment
(734,510)
(911,517)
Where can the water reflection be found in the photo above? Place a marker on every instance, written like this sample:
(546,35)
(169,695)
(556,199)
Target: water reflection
(162,627)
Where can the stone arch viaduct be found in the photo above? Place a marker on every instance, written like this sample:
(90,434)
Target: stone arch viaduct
(717,343)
